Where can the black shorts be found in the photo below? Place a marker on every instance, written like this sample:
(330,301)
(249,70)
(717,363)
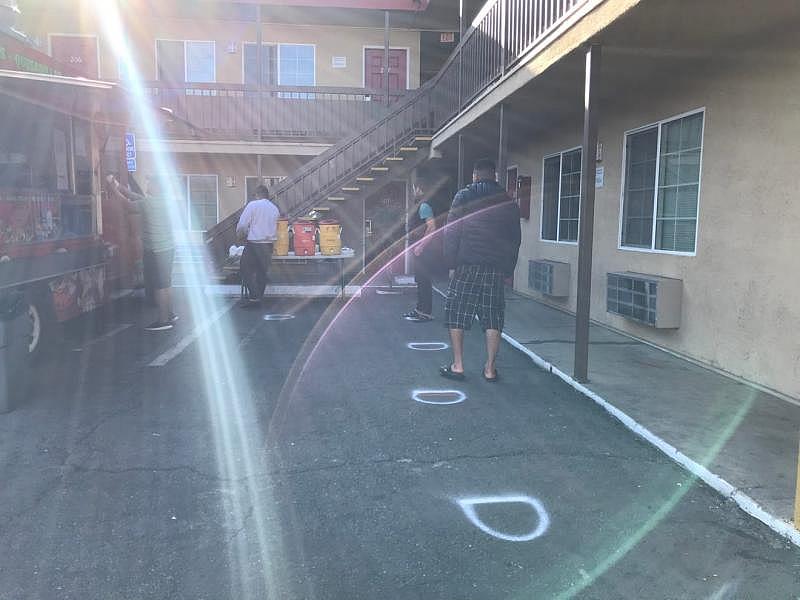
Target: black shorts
(158,269)
(475,291)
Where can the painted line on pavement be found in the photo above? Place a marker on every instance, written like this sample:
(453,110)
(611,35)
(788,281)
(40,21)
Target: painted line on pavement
(468,506)
(448,396)
(104,337)
(427,346)
(745,502)
(185,342)
(284,291)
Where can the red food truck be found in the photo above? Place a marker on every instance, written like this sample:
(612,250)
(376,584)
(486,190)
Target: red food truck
(63,242)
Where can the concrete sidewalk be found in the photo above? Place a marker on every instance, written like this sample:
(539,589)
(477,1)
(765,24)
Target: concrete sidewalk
(740,440)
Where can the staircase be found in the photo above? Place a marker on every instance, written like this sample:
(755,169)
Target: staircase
(386,150)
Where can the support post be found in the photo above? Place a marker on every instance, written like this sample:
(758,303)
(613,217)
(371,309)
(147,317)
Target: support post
(260,83)
(461,182)
(502,150)
(408,204)
(586,228)
(386,56)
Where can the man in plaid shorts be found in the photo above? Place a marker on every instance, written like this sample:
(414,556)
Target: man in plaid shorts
(482,239)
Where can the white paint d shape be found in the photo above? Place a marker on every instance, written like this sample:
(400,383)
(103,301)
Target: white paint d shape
(468,506)
(438,396)
(427,346)
(278,317)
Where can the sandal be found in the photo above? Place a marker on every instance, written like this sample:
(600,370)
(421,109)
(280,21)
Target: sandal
(494,379)
(448,373)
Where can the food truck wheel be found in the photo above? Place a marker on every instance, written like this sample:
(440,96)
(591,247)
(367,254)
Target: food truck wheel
(43,322)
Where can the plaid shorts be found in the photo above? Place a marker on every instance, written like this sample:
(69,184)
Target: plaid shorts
(475,290)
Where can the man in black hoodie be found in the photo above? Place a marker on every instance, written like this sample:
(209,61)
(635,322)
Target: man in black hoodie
(481,240)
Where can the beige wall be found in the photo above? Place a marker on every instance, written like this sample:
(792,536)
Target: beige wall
(741,307)
(223,166)
(329,42)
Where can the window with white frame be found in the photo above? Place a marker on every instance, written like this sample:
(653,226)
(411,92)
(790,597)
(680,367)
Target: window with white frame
(296,64)
(561,196)
(185,61)
(199,195)
(662,185)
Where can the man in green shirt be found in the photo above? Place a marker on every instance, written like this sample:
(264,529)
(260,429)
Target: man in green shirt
(157,244)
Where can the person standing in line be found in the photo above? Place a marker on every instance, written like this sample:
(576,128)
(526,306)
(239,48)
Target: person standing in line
(258,225)
(158,245)
(421,228)
(482,240)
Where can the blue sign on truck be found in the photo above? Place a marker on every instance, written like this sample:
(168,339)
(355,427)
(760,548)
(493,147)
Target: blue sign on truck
(130,152)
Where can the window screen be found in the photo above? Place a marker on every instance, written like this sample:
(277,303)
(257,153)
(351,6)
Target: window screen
(561,194)
(202,202)
(662,184)
(269,64)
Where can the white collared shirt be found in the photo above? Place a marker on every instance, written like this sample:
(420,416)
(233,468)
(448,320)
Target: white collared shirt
(260,221)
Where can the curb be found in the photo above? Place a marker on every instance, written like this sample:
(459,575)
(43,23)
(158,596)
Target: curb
(745,502)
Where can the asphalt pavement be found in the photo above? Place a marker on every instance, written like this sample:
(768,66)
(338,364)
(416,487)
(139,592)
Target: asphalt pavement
(318,456)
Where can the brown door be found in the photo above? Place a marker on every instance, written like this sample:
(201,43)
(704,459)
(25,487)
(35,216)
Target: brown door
(373,69)
(77,52)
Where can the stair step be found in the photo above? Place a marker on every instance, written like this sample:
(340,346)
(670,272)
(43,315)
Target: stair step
(336,198)
(351,189)
(380,169)
(321,208)
(424,138)
(365,179)
(408,149)
(395,158)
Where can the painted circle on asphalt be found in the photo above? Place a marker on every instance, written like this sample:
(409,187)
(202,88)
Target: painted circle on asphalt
(427,346)
(468,505)
(439,396)
(278,317)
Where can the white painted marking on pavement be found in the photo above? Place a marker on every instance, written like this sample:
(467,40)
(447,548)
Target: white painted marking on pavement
(277,317)
(448,396)
(427,346)
(186,341)
(104,337)
(468,506)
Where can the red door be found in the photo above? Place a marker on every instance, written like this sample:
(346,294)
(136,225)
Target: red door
(79,52)
(373,69)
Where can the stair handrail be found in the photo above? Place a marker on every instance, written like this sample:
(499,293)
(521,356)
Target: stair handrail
(325,158)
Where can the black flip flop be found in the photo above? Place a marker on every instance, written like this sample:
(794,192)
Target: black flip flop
(448,373)
(494,379)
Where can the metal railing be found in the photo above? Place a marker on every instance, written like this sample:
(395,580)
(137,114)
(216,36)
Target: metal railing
(241,112)
(500,36)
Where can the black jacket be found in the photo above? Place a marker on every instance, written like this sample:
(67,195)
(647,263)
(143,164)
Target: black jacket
(483,228)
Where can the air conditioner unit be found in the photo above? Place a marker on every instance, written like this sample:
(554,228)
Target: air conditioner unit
(549,277)
(649,299)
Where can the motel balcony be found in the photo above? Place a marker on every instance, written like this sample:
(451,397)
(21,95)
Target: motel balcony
(238,112)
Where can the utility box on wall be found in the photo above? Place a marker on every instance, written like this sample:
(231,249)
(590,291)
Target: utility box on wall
(549,277)
(649,299)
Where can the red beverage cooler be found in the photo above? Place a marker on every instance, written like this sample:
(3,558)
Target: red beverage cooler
(305,238)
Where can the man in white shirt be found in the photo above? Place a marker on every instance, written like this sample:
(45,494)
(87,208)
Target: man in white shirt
(258,225)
